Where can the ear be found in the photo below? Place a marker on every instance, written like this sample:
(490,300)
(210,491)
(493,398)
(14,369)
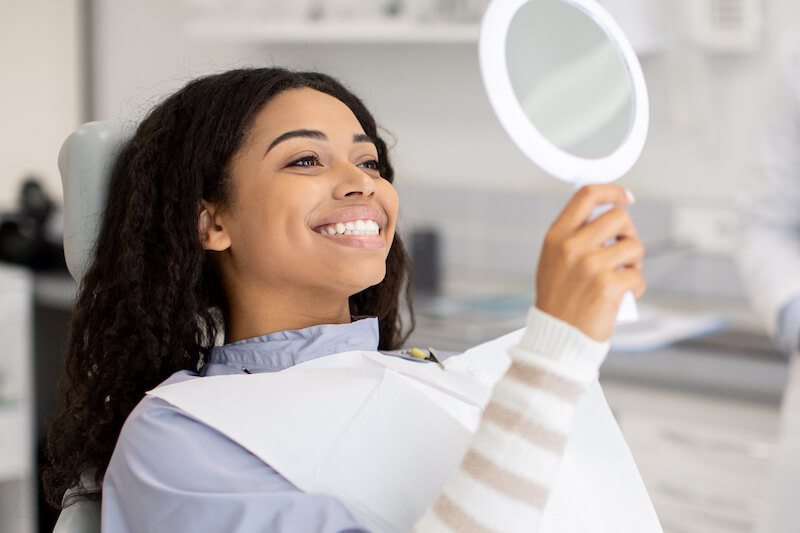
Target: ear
(213,235)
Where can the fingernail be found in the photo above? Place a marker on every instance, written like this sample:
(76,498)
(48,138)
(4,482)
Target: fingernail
(631,197)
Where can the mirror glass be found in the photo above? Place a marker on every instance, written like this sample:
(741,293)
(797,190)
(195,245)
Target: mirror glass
(570,78)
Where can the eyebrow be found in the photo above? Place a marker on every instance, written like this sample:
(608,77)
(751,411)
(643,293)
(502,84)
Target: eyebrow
(362,138)
(310,134)
(314,134)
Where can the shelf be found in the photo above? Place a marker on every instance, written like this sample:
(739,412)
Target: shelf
(345,32)
(260,31)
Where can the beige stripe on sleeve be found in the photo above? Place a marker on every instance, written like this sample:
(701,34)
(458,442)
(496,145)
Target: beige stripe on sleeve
(515,422)
(534,376)
(452,515)
(518,488)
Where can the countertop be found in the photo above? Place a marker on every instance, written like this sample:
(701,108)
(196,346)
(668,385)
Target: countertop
(738,362)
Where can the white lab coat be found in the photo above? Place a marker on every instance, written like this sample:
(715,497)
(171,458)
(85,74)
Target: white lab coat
(769,259)
(769,251)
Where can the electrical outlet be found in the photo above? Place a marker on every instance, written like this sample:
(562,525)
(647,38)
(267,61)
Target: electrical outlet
(708,229)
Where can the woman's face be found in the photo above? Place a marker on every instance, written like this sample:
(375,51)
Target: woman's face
(308,208)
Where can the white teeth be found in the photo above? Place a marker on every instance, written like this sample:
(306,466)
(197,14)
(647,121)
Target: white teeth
(356,227)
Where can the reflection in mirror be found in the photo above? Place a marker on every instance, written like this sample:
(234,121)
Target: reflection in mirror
(570,78)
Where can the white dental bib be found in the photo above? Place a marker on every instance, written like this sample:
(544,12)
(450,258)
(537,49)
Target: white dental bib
(383,434)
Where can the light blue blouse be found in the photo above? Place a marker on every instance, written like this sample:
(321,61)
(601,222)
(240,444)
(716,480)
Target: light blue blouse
(171,473)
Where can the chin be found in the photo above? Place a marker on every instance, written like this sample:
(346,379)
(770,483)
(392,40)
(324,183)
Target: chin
(367,281)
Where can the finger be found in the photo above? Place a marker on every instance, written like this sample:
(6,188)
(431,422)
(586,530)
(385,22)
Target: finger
(613,224)
(640,261)
(626,253)
(580,206)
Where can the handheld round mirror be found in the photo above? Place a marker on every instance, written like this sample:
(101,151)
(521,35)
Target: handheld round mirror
(568,89)
(566,85)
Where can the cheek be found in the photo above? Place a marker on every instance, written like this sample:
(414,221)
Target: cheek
(258,231)
(280,209)
(391,205)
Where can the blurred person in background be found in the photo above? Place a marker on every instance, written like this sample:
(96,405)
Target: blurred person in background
(769,259)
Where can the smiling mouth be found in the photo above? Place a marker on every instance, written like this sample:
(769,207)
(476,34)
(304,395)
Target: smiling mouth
(366,228)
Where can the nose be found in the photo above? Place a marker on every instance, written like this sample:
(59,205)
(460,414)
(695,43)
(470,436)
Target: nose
(353,182)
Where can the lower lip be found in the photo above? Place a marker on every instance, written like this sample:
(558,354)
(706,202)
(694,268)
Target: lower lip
(357,241)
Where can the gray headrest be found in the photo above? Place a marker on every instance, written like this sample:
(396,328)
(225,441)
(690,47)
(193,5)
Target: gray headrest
(85,161)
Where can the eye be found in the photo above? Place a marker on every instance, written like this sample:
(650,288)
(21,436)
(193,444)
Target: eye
(372,164)
(305,161)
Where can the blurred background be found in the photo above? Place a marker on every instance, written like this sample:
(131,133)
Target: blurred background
(696,384)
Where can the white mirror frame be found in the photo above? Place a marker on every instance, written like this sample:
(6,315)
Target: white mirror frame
(504,101)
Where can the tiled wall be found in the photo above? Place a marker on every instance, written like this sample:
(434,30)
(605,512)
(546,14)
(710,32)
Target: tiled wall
(500,232)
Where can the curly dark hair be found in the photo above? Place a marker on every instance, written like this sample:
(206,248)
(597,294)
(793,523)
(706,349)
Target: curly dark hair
(150,303)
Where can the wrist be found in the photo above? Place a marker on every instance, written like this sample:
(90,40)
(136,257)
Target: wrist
(560,347)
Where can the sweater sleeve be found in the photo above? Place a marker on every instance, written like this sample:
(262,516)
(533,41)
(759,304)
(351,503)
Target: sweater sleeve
(504,479)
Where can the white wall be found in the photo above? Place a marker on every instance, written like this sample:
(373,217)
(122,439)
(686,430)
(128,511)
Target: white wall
(39,92)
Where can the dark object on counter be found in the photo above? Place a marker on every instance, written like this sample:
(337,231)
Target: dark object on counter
(425,259)
(26,235)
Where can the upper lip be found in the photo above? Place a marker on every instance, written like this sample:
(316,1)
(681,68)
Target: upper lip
(350,214)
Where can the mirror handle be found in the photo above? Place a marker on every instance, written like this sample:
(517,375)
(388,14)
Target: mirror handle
(628,311)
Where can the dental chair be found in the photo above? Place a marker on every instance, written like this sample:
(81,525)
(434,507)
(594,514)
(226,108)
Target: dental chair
(85,163)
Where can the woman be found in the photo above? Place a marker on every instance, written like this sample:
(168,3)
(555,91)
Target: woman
(259,203)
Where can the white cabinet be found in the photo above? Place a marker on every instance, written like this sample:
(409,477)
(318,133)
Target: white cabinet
(17,468)
(705,460)
(16,451)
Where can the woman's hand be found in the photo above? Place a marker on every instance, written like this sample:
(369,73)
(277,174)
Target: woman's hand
(580,280)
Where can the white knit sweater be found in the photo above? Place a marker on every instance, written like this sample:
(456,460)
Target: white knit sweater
(505,477)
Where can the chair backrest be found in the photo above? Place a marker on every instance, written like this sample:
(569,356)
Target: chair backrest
(85,161)
(80,517)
